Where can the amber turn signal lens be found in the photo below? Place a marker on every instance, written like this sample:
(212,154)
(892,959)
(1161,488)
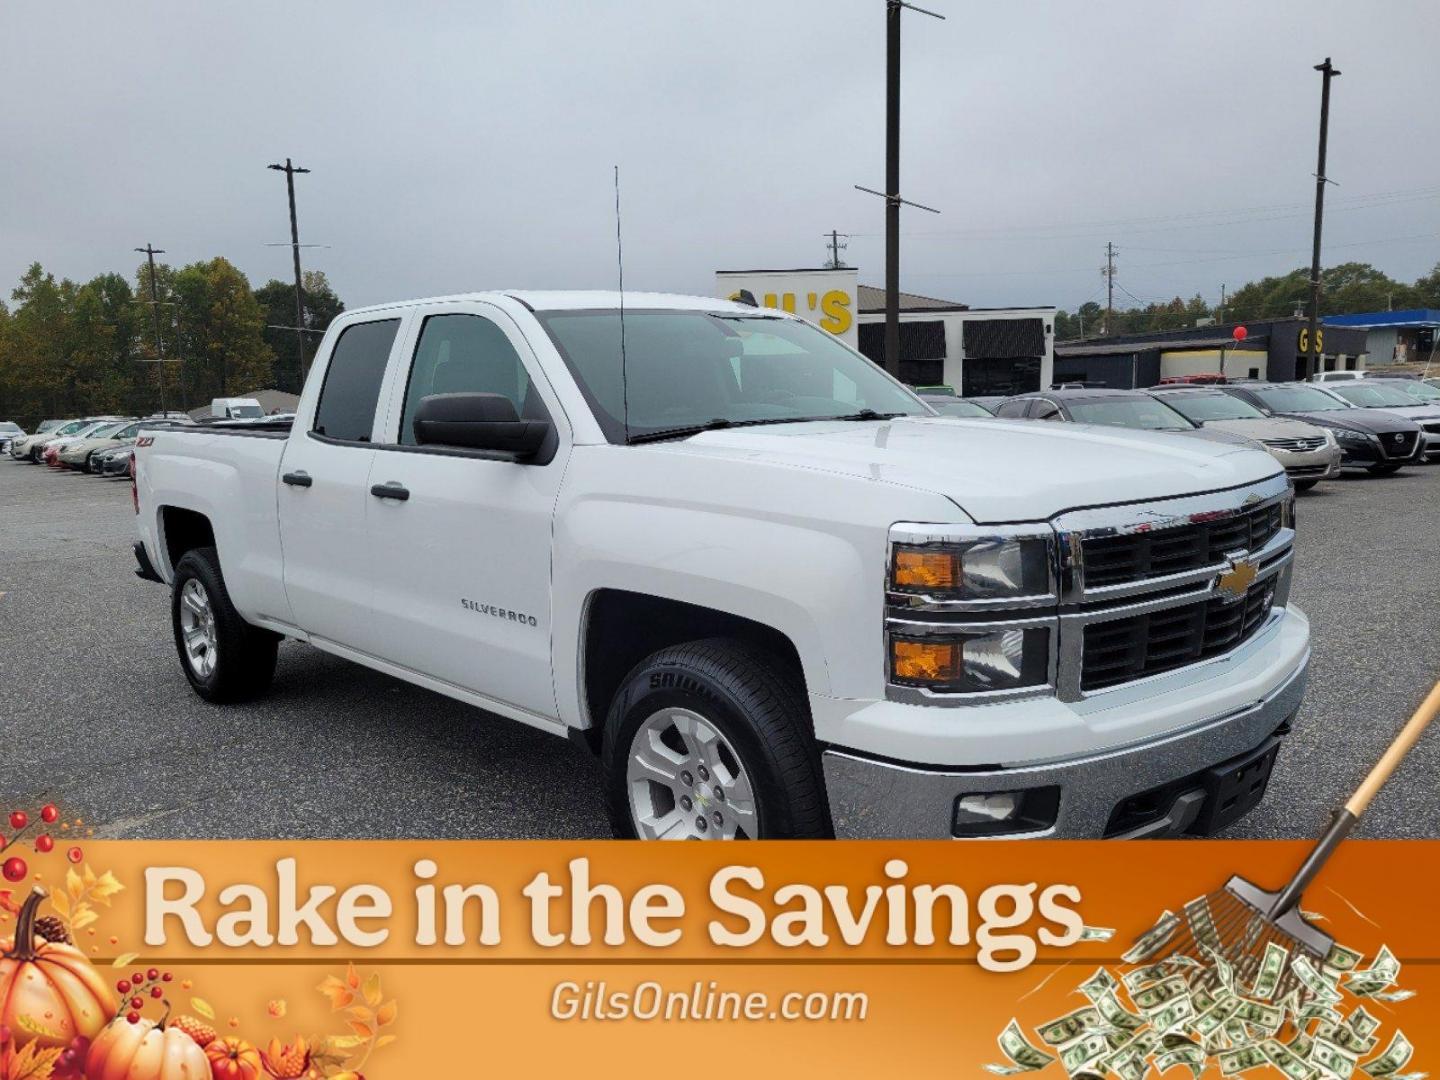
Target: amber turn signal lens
(925,661)
(916,568)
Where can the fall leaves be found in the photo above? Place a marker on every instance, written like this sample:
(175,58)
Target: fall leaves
(367,1014)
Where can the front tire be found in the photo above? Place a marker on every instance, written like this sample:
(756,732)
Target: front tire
(711,740)
(1384,470)
(1305,485)
(224,657)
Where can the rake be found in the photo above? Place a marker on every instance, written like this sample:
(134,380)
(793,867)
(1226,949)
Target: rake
(1237,922)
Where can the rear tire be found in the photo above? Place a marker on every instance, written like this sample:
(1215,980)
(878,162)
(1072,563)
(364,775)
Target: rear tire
(224,657)
(712,740)
(1385,470)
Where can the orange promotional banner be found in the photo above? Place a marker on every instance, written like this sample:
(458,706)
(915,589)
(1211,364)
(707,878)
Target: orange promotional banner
(414,958)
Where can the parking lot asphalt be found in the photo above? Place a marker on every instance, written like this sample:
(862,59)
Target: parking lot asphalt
(96,714)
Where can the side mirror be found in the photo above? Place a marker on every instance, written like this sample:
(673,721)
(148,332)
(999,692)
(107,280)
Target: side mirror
(478,422)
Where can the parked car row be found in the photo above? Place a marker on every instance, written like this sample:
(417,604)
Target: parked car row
(1379,424)
(101,445)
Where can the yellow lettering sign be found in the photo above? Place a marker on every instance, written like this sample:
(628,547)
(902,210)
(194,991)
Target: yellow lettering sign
(836,308)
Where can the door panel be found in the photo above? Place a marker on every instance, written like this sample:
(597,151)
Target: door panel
(324,491)
(462,589)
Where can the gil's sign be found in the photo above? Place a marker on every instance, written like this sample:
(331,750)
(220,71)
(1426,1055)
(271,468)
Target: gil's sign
(826,298)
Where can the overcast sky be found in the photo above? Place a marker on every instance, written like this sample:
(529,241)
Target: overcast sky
(462,146)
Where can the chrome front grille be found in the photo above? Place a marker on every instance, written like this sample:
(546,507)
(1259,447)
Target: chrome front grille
(1295,446)
(1147,553)
(1119,650)
(1147,589)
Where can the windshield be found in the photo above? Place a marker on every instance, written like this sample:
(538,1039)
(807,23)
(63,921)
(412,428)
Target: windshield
(105,431)
(129,431)
(1368,395)
(1202,407)
(959,407)
(694,368)
(10,429)
(73,427)
(1283,399)
(1415,388)
(1146,413)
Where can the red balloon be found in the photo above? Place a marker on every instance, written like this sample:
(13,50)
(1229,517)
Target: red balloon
(1239,333)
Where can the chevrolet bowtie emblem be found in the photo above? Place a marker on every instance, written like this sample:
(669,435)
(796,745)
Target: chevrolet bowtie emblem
(1235,581)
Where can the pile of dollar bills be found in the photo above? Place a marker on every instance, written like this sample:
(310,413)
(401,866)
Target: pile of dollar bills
(1196,1011)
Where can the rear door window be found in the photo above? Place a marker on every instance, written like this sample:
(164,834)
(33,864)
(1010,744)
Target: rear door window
(351,390)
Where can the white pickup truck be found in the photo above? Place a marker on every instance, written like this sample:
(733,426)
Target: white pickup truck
(775,591)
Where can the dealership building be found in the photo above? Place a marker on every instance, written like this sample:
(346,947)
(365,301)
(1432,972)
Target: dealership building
(978,351)
(1272,349)
(1395,337)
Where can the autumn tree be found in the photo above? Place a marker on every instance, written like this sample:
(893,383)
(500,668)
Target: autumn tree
(218,331)
(322,306)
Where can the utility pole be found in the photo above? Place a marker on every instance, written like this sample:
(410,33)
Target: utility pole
(300,367)
(1109,273)
(1327,72)
(835,248)
(150,252)
(891,194)
(1222,304)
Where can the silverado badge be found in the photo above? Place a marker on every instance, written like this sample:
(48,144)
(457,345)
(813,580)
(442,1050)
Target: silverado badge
(1235,580)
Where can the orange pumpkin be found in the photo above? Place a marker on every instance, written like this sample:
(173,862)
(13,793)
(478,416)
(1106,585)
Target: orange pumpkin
(145,1051)
(51,985)
(233,1059)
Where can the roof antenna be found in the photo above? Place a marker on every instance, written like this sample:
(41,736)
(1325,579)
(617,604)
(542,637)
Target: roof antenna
(620,264)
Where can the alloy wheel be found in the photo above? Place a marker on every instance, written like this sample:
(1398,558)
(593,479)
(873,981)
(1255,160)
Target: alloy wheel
(687,783)
(197,628)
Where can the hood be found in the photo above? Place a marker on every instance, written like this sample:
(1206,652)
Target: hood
(997,470)
(1370,421)
(1221,436)
(1419,412)
(1269,427)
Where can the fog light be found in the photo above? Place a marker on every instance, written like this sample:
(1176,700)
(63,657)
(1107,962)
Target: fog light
(1002,806)
(1006,813)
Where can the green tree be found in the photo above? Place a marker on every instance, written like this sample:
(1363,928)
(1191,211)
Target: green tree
(218,328)
(322,306)
(1426,291)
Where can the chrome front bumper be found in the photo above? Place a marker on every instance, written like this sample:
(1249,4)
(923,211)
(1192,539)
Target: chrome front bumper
(877,799)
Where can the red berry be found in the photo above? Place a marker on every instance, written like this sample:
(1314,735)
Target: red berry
(133,1017)
(152,974)
(137,1003)
(166,977)
(19,819)
(75,854)
(44,844)
(138,978)
(49,813)
(123,986)
(156,992)
(15,869)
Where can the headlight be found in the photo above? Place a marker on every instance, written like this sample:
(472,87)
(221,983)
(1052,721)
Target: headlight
(971,662)
(1346,435)
(1330,439)
(990,567)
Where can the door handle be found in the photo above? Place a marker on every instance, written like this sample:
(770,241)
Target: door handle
(392,490)
(298,479)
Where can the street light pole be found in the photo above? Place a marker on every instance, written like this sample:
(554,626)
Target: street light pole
(290,169)
(150,252)
(1327,72)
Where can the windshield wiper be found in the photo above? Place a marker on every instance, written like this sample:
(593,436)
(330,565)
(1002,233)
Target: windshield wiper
(865,414)
(720,423)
